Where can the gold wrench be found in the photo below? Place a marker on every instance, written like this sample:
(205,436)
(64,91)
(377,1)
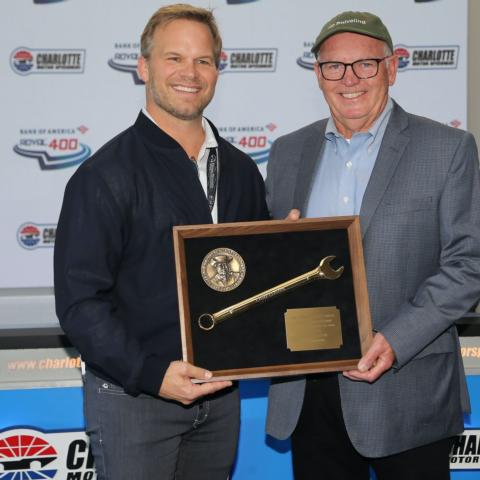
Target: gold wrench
(207,321)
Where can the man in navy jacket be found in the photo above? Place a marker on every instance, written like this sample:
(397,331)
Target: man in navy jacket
(114,266)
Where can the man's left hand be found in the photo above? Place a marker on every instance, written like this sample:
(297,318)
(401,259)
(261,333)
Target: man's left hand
(378,359)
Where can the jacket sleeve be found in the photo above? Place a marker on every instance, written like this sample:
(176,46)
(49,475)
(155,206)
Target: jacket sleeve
(454,287)
(88,254)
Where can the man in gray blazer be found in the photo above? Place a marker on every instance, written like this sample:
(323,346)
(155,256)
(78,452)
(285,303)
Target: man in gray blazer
(415,184)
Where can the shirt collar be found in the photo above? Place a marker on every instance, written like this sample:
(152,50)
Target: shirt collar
(331,131)
(145,112)
(210,140)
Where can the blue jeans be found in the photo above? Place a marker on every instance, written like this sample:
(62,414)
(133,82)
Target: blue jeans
(148,438)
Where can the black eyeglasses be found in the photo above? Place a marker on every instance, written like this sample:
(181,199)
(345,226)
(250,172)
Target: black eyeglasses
(363,69)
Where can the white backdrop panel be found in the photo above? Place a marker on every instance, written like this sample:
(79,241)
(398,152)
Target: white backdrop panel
(62,100)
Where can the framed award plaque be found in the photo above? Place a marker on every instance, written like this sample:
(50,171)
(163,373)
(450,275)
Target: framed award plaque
(272,298)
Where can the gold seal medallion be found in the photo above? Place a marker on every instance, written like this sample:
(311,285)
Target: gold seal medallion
(223,269)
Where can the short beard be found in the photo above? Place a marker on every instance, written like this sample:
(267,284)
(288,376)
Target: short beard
(169,108)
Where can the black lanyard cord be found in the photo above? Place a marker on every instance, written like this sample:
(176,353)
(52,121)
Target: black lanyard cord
(211,175)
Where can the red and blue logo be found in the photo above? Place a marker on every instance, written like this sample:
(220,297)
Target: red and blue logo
(254,140)
(34,235)
(31,454)
(403,56)
(223,60)
(26,457)
(427,57)
(29,235)
(248,60)
(22,60)
(54,148)
(50,61)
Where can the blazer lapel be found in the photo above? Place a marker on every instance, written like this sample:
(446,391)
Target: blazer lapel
(393,145)
(311,154)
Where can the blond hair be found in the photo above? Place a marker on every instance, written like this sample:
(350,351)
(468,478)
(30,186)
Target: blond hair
(180,11)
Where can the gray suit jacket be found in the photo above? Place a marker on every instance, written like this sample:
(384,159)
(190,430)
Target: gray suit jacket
(420,220)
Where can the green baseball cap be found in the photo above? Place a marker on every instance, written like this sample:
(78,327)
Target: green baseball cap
(364,23)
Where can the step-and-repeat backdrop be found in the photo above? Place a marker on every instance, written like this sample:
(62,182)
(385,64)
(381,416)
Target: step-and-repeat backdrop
(69,84)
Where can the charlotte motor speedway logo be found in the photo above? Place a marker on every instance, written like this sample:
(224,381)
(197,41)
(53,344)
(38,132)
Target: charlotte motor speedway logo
(250,60)
(125,58)
(54,148)
(427,57)
(307,59)
(27,454)
(25,61)
(254,140)
(35,235)
(236,60)
(409,58)
(465,453)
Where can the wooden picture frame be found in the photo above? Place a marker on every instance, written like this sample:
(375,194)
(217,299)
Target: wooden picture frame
(254,343)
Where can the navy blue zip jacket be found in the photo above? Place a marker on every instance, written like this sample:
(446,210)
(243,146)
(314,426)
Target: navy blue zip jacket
(115,287)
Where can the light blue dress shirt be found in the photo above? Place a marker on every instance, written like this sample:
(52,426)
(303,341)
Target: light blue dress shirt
(344,169)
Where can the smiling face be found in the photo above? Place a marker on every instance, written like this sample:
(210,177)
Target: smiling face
(180,73)
(355,104)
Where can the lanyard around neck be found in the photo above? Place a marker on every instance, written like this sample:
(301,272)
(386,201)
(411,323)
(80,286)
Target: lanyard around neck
(211,175)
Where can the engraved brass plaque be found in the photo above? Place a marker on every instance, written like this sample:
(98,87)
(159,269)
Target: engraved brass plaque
(314,328)
(236,281)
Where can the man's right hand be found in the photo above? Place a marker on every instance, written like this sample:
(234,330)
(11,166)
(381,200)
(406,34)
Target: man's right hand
(293,214)
(177,383)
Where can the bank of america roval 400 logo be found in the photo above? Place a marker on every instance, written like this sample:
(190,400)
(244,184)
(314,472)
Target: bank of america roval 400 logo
(53,148)
(307,58)
(27,454)
(254,140)
(25,60)
(125,58)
